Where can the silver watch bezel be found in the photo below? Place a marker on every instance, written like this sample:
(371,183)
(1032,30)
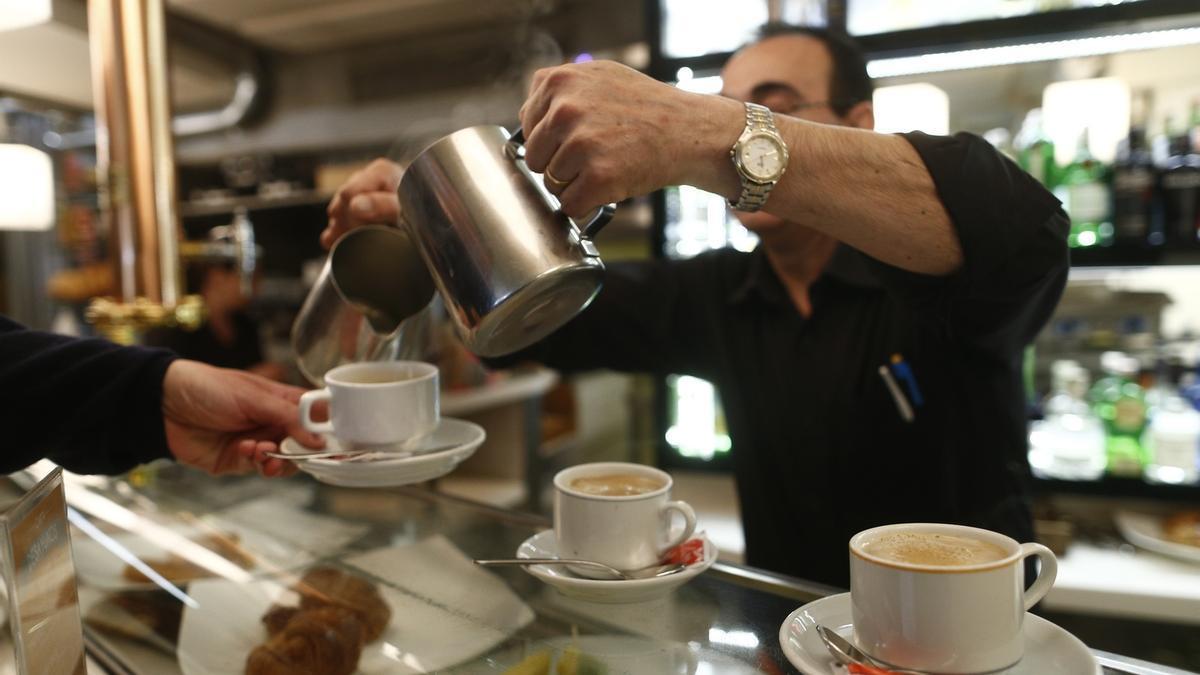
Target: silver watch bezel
(744,171)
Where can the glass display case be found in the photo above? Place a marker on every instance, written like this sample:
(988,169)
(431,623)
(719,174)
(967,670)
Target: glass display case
(180,573)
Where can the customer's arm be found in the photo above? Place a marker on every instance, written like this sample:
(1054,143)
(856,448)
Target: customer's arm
(96,407)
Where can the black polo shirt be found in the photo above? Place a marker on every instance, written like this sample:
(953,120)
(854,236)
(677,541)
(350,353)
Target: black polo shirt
(820,448)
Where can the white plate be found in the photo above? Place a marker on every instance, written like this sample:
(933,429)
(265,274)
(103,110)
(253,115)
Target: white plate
(624,654)
(100,567)
(1048,648)
(545,545)
(1146,531)
(296,538)
(445,611)
(463,437)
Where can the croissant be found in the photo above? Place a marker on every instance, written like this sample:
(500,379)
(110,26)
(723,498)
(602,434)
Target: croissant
(277,618)
(325,641)
(328,586)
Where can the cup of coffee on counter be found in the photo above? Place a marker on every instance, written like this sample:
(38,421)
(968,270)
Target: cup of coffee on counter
(380,405)
(617,513)
(943,598)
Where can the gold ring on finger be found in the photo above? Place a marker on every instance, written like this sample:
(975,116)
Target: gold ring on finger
(556,184)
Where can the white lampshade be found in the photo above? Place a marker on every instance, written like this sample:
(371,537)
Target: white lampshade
(22,13)
(1102,106)
(26,188)
(912,107)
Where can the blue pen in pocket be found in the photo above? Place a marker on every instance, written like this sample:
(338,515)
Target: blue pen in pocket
(902,406)
(904,373)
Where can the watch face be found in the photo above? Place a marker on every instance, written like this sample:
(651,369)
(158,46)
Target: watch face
(762,158)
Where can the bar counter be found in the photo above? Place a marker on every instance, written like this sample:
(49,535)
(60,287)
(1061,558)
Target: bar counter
(416,546)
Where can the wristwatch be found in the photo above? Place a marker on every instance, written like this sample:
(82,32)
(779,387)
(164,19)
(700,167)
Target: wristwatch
(760,157)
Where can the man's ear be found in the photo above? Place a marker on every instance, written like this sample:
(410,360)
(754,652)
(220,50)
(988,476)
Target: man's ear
(861,116)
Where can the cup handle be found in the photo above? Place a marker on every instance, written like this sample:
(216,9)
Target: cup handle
(306,403)
(689,521)
(515,150)
(1046,576)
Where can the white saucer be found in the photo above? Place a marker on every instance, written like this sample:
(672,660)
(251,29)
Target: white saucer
(414,466)
(545,545)
(1048,648)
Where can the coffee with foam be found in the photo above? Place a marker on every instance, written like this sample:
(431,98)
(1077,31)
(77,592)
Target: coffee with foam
(927,548)
(617,485)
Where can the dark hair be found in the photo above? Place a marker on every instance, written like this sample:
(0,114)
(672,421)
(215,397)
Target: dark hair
(849,83)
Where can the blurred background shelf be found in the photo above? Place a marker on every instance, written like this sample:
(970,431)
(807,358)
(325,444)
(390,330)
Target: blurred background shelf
(1120,488)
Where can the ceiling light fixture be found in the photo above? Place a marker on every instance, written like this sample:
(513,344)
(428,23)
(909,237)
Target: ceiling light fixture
(22,13)
(1032,52)
(26,188)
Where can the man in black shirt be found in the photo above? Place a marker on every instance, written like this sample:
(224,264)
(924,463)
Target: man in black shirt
(931,260)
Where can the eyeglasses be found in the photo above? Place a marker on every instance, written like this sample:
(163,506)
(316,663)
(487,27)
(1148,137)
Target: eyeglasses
(808,105)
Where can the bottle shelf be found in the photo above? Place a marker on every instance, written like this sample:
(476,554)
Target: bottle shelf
(1129,488)
(1117,256)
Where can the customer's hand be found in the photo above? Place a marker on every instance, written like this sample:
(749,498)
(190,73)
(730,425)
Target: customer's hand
(608,132)
(222,421)
(367,198)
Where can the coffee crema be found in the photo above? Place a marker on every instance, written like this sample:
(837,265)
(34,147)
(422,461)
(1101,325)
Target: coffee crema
(380,376)
(928,548)
(617,485)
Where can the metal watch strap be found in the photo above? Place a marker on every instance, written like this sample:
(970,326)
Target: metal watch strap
(754,194)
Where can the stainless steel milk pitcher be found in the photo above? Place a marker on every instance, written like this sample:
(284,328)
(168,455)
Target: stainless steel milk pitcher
(510,265)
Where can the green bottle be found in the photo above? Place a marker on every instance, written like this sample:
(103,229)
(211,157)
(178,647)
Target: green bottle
(1035,150)
(1194,125)
(1120,404)
(1084,190)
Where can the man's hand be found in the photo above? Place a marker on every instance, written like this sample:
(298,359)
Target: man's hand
(368,198)
(601,132)
(222,421)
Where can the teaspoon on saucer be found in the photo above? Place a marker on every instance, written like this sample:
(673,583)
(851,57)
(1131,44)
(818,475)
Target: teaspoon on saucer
(845,653)
(642,573)
(356,455)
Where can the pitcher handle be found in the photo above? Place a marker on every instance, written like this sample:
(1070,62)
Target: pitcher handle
(515,150)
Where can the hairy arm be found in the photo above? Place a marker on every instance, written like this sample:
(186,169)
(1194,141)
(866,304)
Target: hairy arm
(868,190)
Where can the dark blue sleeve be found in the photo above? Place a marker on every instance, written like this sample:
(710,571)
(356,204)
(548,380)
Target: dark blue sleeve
(90,405)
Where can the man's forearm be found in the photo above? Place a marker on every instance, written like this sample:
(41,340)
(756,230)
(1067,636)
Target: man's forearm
(869,190)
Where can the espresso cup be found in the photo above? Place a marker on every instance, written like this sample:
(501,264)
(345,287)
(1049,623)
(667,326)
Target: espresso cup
(384,405)
(943,598)
(622,528)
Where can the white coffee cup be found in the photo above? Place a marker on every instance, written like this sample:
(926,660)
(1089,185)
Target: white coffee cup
(626,532)
(389,405)
(944,618)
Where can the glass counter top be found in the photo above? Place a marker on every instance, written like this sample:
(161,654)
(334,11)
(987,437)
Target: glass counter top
(176,570)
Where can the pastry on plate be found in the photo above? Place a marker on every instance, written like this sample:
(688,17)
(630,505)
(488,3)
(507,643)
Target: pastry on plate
(324,634)
(1183,528)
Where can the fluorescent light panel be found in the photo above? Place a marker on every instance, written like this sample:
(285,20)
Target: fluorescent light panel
(1032,52)
(26,188)
(21,13)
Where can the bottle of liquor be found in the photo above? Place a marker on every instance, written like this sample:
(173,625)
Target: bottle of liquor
(1194,125)
(1137,216)
(1035,150)
(1179,182)
(1082,187)
(1068,443)
(1190,388)
(1172,437)
(1121,406)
